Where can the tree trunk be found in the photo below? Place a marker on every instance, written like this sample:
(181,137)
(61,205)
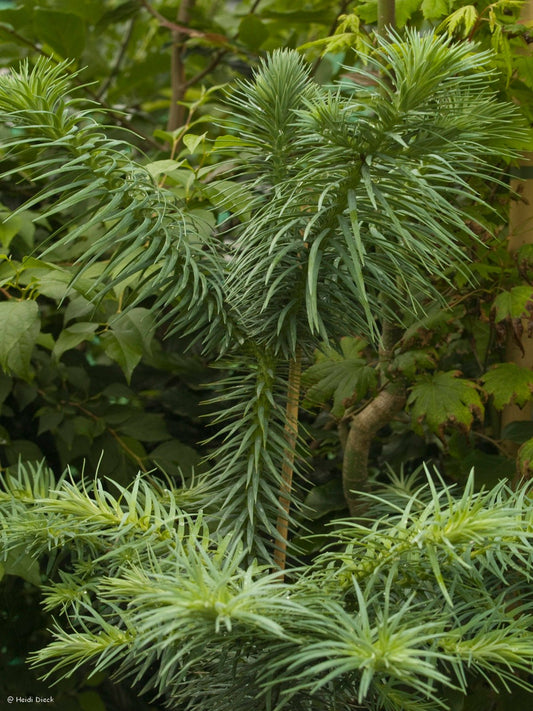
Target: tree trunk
(386,15)
(362,429)
(178,87)
(291,434)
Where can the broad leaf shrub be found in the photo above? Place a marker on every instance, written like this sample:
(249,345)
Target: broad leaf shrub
(350,209)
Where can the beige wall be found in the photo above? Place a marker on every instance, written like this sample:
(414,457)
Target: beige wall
(521,232)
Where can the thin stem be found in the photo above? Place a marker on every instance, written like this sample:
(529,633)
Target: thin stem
(177,68)
(386,15)
(291,434)
(180,26)
(118,61)
(209,68)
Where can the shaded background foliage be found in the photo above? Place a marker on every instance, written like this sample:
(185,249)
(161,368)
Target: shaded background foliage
(88,385)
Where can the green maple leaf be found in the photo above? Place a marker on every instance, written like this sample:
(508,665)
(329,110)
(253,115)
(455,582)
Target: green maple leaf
(508,382)
(442,399)
(410,362)
(515,303)
(344,377)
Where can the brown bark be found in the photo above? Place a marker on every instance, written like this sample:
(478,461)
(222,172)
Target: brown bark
(176,116)
(291,434)
(362,429)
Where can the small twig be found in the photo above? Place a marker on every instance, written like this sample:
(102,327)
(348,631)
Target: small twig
(118,62)
(212,65)
(111,431)
(218,56)
(496,443)
(11,31)
(182,28)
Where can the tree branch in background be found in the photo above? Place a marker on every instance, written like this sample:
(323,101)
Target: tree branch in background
(180,26)
(176,114)
(118,61)
(357,431)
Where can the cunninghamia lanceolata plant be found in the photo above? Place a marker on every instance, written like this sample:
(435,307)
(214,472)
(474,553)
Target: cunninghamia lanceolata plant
(430,590)
(357,203)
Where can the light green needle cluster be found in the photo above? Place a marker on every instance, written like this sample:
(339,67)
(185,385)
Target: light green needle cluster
(426,594)
(361,190)
(146,233)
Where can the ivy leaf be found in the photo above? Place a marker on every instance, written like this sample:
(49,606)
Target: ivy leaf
(368,11)
(346,377)
(464,17)
(20,329)
(509,383)
(129,336)
(435,323)
(442,399)
(512,308)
